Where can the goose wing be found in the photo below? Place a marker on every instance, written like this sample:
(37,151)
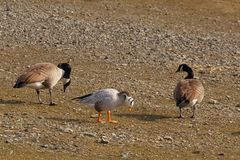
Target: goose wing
(36,73)
(188,90)
(103,97)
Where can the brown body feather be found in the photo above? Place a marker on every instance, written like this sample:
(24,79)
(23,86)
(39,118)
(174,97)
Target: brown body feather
(41,72)
(44,76)
(188,91)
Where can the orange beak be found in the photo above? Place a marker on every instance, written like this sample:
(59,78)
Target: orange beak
(130,109)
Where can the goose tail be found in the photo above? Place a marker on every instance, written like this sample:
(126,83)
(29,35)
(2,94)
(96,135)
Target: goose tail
(81,98)
(18,85)
(182,102)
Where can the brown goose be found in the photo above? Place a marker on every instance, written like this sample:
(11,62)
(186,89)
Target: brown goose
(189,91)
(45,76)
(106,100)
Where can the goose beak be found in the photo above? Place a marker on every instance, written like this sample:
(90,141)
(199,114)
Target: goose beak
(66,85)
(130,109)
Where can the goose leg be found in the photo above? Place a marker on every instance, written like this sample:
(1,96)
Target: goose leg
(180,112)
(109,118)
(193,111)
(38,94)
(51,99)
(99,117)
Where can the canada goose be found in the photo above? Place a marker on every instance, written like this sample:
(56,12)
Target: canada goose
(188,91)
(106,100)
(45,76)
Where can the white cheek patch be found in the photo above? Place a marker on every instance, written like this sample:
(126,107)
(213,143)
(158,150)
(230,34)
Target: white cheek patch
(65,80)
(181,68)
(130,101)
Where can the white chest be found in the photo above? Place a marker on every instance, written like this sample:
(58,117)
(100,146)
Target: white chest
(36,85)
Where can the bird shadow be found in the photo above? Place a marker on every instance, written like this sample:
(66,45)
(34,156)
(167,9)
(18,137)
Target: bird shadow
(11,101)
(144,117)
(59,119)
(236,133)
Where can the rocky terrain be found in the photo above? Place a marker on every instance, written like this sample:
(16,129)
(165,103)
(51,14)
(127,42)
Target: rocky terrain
(128,45)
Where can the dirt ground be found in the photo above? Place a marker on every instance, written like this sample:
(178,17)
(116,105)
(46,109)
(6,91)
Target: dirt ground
(140,47)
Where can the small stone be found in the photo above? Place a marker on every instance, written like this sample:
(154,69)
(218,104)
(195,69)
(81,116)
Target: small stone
(169,138)
(160,138)
(228,97)
(103,140)
(9,141)
(196,152)
(212,101)
(94,116)
(221,154)
(44,145)
(238,106)
(68,130)
(40,117)
(90,134)
(125,154)
(11,152)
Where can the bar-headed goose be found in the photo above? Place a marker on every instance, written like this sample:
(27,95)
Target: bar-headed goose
(106,100)
(45,76)
(188,91)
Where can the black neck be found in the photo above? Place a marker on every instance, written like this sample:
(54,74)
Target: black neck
(66,68)
(190,74)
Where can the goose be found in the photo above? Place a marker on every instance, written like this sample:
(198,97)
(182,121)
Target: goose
(45,76)
(106,100)
(189,91)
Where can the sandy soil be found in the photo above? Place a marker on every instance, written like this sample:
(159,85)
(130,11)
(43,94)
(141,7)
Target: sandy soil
(128,45)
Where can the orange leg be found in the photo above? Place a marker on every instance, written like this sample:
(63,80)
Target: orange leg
(109,118)
(99,118)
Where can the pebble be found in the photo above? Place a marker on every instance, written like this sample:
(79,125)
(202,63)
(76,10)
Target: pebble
(44,145)
(90,134)
(68,130)
(125,154)
(40,117)
(196,152)
(94,116)
(11,152)
(212,101)
(169,138)
(9,141)
(221,154)
(103,140)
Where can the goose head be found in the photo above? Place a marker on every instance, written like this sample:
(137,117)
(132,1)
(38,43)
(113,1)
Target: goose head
(186,68)
(128,100)
(66,75)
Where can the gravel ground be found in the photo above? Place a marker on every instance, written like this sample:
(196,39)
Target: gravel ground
(139,45)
